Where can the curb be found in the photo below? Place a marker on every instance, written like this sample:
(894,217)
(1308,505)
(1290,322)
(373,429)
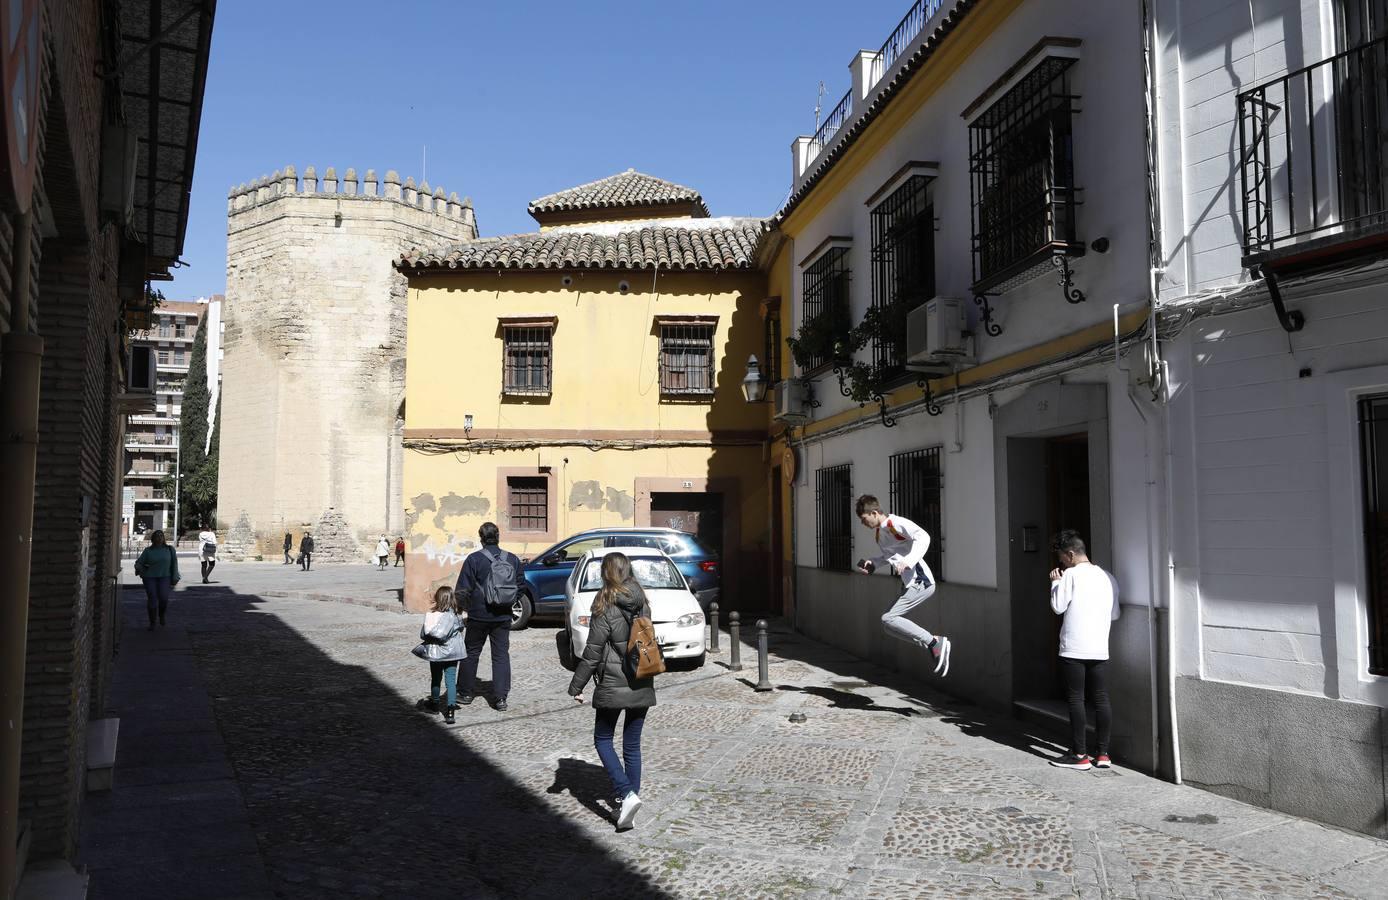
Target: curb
(382,605)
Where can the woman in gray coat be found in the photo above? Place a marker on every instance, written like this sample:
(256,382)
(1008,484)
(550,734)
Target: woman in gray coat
(618,602)
(442,637)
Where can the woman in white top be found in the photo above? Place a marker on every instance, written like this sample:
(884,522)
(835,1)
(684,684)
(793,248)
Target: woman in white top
(382,552)
(1087,597)
(207,551)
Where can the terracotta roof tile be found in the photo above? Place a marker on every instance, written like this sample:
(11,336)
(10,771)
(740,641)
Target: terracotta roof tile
(625,190)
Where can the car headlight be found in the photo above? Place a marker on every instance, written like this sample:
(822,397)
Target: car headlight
(583,621)
(688,619)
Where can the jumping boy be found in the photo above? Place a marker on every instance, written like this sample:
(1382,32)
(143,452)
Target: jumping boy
(903,544)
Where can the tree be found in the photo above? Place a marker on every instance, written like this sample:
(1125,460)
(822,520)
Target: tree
(200,485)
(192,424)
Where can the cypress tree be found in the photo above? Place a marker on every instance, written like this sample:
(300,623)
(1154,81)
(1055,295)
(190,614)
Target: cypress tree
(192,425)
(200,487)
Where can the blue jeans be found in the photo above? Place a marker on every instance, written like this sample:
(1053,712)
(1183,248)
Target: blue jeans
(625,772)
(448,673)
(157,595)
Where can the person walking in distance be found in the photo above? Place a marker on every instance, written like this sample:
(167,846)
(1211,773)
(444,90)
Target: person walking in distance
(399,550)
(1087,597)
(288,546)
(619,601)
(442,645)
(306,551)
(157,567)
(207,551)
(382,553)
(903,544)
(490,582)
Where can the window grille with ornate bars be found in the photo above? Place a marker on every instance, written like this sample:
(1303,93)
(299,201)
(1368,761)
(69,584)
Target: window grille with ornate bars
(527,359)
(824,293)
(1373,446)
(528,502)
(834,516)
(686,359)
(917,488)
(771,355)
(1022,177)
(903,266)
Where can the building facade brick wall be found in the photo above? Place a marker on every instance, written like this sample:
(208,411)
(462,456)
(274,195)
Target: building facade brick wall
(314,346)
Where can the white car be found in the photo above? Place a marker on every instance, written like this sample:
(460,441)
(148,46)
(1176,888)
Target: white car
(678,619)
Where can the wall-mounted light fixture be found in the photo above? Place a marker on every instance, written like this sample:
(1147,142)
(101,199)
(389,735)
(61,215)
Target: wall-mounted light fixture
(467,424)
(753,384)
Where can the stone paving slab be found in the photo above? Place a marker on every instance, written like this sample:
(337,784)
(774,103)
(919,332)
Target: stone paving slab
(888,789)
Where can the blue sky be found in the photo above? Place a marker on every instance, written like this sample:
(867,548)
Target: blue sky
(517,99)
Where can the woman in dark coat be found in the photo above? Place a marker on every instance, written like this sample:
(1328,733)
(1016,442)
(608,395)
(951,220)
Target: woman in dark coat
(618,602)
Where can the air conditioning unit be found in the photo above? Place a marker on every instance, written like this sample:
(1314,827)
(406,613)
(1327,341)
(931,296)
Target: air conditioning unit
(937,336)
(792,402)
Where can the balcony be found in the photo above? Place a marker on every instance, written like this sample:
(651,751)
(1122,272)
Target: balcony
(149,440)
(1313,162)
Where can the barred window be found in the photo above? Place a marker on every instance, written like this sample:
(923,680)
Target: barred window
(834,516)
(1022,176)
(771,358)
(526,359)
(903,266)
(824,297)
(528,503)
(917,487)
(686,359)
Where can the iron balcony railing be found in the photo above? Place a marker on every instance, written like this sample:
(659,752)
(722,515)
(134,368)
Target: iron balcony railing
(836,119)
(921,11)
(1313,155)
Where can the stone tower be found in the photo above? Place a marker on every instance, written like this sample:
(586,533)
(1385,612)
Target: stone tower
(314,355)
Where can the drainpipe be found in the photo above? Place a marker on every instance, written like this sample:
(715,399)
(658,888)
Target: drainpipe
(19,427)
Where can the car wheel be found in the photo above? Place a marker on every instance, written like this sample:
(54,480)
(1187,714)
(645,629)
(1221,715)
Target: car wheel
(564,643)
(696,662)
(521,611)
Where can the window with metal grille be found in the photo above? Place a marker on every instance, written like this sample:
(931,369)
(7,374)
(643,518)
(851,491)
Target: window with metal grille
(1373,444)
(686,359)
(528,503)
(771,355)
(834,516)
(824,298)
(917,489)
(903,266)
(1022,176)
(526,359)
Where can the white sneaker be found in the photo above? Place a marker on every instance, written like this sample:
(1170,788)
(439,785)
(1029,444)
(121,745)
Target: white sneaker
(630,804)
(941,650)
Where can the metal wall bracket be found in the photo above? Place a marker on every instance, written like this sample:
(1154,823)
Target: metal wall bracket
(993,328)
(1067,279)
(1290,319)
(839,372)
(930,405)
(887,421)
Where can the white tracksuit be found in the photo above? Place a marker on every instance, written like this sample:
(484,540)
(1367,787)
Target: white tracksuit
(903,544)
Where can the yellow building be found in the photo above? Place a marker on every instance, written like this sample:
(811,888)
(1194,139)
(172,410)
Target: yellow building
(588,375)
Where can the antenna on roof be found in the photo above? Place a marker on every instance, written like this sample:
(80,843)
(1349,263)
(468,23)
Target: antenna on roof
(818,105)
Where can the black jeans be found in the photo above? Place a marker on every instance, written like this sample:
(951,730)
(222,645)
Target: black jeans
(499,635)
(1077,673)
(305,560)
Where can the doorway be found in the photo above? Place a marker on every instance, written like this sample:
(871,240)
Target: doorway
(777,593)
(696,513)
(1048,491)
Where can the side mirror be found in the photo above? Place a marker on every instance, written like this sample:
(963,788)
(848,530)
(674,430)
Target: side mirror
(552,560)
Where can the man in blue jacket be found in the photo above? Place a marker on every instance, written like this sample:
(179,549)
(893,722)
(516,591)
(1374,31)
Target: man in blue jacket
(488,622)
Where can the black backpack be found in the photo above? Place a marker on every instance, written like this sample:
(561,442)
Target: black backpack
(500,589)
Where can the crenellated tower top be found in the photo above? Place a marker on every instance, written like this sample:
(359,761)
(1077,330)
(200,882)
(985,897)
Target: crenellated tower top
(286,182)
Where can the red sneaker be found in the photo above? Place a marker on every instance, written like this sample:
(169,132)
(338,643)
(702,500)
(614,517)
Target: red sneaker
(1102,761)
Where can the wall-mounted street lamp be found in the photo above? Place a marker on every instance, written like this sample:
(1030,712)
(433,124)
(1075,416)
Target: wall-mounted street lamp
(467,423)
(753,384)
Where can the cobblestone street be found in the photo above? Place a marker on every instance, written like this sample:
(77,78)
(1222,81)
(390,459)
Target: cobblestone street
(270,748)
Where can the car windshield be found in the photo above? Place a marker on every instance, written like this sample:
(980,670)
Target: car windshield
(652,573)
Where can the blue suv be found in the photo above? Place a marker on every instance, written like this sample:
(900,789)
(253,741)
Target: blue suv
(543,592)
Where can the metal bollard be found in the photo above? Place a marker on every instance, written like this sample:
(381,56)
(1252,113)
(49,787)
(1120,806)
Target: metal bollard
(735,641)
(713,628)
(763,663)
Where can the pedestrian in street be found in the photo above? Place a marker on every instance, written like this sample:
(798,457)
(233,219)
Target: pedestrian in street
(903,544)
(1087,597)
(442,645)
(619,601)
(207,551)
(306,551)
(490,582)
(288,546)
(157,567)
(399,550)
(382,553)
